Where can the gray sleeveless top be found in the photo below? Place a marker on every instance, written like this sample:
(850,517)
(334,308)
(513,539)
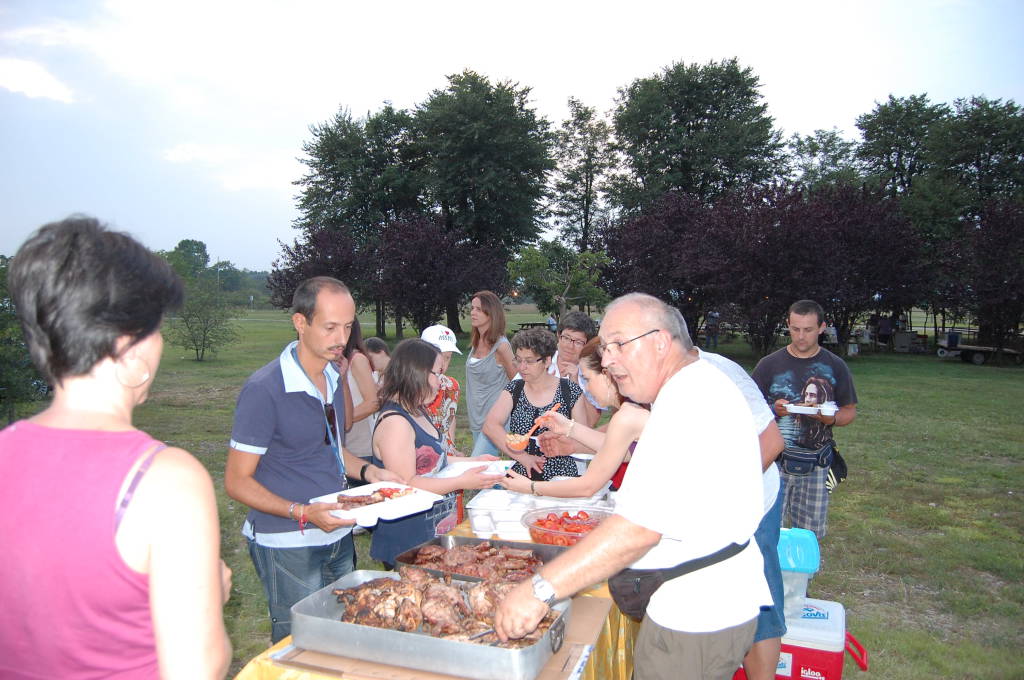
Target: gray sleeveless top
(485,379)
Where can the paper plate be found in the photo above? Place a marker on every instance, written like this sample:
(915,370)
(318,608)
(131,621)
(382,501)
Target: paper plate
(491,467)
(367,516)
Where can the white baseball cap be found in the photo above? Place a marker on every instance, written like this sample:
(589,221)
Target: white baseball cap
(440,337)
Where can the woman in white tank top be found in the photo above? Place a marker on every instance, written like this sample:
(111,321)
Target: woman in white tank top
(363,389)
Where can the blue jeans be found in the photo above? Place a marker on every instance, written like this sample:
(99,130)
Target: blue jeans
(290,574)
(482,446)
(771,622)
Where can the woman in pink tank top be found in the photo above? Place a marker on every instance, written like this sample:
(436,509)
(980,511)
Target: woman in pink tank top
(111,539)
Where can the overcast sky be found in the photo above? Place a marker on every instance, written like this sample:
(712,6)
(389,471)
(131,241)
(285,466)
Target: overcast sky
(186,119)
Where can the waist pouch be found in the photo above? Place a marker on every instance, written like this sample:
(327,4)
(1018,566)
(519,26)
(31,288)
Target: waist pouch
(798,461)
(632,588)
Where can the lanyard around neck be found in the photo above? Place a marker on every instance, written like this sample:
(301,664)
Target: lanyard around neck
(331,427)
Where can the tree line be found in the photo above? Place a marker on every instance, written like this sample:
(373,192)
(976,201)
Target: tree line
(215,294)
(686,189)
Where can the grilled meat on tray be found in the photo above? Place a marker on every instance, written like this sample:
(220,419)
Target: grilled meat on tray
(420,602)
(481,560)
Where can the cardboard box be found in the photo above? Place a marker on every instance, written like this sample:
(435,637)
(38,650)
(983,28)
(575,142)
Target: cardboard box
(588,618)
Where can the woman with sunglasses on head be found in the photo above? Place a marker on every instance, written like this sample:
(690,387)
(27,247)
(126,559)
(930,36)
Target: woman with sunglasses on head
(526,398)
(613,447)
(121,577)
(406,442)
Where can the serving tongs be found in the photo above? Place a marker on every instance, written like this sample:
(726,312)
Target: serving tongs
(481,634)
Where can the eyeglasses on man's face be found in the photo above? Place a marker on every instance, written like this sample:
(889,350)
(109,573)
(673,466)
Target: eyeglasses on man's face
(524,361)
(616,346)
(569,340)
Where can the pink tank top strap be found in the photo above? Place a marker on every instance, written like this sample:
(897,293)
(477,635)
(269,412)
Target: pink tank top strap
(139,472)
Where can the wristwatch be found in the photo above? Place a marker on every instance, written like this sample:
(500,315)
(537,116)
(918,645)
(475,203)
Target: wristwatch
(543,590)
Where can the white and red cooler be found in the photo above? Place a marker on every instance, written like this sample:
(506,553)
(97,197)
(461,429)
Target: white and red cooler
(815,643)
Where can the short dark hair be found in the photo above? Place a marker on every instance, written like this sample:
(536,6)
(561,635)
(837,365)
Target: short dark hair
(78,287)
(376,345)
(405,379)
(540,341)
(304,297)
(578,321)
(805,307)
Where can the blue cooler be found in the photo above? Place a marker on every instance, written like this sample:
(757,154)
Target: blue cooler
(799,558)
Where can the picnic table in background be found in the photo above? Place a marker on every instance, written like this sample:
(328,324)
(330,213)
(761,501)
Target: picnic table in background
(533,324)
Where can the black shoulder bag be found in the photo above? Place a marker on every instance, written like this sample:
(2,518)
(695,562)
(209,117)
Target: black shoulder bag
(632,588)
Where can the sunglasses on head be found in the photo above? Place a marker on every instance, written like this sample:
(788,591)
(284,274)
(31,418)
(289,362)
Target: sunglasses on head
(329,414)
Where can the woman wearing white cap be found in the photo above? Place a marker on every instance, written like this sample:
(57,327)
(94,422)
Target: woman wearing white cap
(446,404)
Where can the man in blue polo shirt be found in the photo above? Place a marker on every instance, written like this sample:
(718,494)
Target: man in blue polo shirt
(286,448)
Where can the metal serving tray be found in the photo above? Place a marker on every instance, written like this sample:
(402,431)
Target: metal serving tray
(317,626)
(545,553)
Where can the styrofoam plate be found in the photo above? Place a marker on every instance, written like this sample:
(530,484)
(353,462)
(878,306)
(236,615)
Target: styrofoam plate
(826,409)
(492,467)
(367,516)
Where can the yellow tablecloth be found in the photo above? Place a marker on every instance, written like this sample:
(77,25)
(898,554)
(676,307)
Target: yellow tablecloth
(612,658)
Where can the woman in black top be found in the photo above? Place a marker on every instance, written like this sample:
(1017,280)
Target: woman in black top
(526,397)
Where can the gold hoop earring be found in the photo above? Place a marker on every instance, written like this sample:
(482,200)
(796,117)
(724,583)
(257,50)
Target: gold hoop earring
(132,377)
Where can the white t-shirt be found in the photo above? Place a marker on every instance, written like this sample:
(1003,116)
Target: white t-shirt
(695,478)
(763,415)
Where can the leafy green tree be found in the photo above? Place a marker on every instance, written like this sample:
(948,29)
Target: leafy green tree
(204,322)
(189,258)
(556,277)
(488,155)
(824,158)
(362,174)
(19,380)
(976,176)
(696,129)
(980,150)
(584,160)
(996,246)
(423,265)
(896,137)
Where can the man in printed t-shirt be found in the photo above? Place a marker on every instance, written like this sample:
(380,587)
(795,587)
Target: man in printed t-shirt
(805,373)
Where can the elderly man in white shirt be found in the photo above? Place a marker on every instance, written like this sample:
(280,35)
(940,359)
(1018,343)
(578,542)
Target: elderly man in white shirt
(692,488)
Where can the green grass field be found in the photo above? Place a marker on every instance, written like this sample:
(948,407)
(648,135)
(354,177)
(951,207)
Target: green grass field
(925,538)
